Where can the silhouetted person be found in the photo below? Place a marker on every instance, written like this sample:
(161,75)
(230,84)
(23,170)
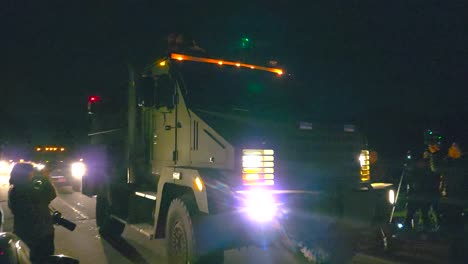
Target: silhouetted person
(453,168)
(180,43)
(422,191)
(28,198)
(452,165)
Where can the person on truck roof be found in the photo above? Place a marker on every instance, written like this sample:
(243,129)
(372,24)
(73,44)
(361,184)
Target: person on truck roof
(183,43)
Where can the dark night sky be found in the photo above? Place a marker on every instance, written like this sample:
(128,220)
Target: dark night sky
(397,66)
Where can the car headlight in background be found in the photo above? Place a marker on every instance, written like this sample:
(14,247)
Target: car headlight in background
(78,169)
(260,205)
(391,197)
(5,167)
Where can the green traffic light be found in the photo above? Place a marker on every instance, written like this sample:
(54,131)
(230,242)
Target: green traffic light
(245,42)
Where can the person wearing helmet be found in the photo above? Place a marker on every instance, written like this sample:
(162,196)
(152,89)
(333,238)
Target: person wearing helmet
(28,199)
(13,250)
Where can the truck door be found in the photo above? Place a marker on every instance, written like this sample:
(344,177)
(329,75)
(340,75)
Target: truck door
(164,123)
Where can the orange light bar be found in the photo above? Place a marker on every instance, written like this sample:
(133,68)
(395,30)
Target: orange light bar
(181,57)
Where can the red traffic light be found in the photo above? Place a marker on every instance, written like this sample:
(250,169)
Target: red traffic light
(94,99)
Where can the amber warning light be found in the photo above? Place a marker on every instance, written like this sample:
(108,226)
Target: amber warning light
(182,57)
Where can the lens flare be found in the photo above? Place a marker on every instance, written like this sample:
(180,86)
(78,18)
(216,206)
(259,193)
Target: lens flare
(78,169)
(260,205)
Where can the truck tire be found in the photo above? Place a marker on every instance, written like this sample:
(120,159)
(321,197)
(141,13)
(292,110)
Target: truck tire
(384,241)
(108,227)
(180,235)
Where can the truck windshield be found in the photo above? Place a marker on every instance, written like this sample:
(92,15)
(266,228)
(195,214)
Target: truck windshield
(53,158)
(228,88)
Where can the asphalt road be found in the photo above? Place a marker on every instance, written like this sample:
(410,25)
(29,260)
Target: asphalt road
(86,244)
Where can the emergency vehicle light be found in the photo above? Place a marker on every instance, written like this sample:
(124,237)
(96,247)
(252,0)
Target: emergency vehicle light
(49,148)
(181,57)
(94,99)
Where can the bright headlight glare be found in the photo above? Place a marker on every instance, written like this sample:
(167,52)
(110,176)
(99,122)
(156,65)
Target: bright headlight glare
(391,196)
(40,166)
(260,205)
(4,167)
(78,169)
(251,161)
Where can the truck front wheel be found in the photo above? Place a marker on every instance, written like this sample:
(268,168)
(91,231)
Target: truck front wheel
(107,225)
(180,235)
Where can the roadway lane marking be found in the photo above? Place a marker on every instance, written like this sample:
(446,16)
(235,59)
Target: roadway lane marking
(78,212)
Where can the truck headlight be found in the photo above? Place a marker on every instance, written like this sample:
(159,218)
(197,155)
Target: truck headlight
(258,167)
(39,166)
(78,169)
(260,205)
(391,197)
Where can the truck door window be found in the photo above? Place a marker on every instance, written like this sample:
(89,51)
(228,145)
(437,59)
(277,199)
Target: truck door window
(156,91)
(164,91)
(146,91)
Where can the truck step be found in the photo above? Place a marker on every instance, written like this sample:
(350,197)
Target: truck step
(118,219)
(143,228)
(147,195)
